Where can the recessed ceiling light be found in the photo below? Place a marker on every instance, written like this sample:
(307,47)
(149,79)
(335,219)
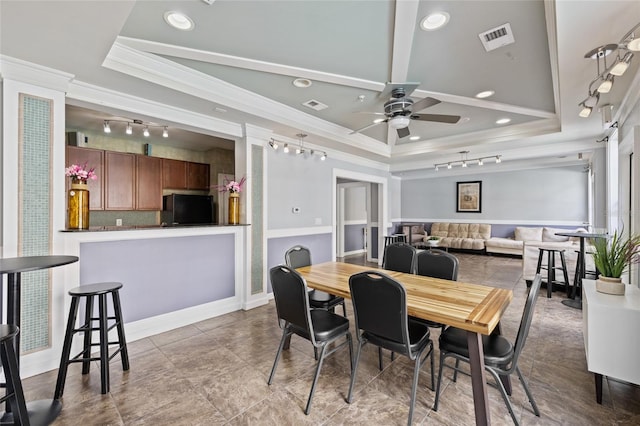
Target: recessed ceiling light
(434,21)
(503,121)
(485,94)
(414,138)
(302,82)
(179,20)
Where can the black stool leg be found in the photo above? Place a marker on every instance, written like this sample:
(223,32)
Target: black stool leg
(124,353)
(66,349)
(88,332)
(550,272)
(565,274)
(540,255)
(14,385)
(104,344)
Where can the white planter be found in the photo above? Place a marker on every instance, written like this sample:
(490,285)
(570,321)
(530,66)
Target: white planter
(610,285)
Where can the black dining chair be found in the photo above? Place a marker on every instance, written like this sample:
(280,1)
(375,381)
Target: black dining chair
(318,326)
(299,256)
(500,355)
(399,257)
(380,310)
(436,264)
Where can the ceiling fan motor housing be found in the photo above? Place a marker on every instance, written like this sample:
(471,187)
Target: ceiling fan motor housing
(400,106)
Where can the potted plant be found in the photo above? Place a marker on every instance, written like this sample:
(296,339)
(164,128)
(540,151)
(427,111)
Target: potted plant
(612,256)
(433,241)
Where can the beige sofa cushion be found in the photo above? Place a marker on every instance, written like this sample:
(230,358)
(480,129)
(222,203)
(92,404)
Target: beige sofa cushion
(549,234)
(524,233)
(469,236)
(440,229)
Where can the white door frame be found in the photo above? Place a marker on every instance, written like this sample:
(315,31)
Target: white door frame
(383,184)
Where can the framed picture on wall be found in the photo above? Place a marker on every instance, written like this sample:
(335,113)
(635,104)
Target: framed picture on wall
(469,197)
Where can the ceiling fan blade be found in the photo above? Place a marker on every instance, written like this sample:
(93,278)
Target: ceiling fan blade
(368,112)
(366,127)
(424,103)
(403,133)
(438,118)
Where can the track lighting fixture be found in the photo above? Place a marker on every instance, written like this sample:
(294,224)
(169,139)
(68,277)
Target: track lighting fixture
(128,129)
(299,149)
(603,83)
(464,161)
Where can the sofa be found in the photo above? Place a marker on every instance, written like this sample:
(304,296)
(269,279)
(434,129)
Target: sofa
(468,236)
(531,239)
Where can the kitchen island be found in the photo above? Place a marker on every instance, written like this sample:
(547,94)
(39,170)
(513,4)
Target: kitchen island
(171,276)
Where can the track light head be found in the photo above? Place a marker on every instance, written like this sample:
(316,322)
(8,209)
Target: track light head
(286,148)
(165,132)
(129,129)
(106,127)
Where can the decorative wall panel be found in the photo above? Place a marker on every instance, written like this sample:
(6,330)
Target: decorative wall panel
(257,225)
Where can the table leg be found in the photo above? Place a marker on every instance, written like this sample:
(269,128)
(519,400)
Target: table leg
(576,295)
(478,382)
(13,307)
(598,378)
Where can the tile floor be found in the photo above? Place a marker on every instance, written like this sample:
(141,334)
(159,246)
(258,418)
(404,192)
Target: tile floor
(215,372)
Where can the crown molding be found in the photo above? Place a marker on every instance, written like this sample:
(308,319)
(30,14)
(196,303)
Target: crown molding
(38,75)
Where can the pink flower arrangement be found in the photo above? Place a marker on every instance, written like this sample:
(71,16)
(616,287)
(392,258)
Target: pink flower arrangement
(232,185)
(81,173)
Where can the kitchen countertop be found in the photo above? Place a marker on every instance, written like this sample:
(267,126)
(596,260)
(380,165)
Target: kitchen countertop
(147,227)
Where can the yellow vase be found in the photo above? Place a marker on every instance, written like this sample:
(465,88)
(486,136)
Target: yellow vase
(234,208)
(78,213)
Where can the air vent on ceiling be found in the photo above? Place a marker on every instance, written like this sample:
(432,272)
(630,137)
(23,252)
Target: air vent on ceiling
(313,104)
(497,37)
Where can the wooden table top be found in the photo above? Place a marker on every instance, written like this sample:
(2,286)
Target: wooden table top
(470,307)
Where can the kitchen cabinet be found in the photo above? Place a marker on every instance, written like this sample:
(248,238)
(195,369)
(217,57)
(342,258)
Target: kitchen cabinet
(93,158)
(197,176)
(148,183)
(119,181)
(174,174)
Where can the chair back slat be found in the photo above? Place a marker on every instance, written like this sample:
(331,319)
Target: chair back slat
(380,305)
(291,296)
(297,257)
(399,257)
(527,318)
(437,264)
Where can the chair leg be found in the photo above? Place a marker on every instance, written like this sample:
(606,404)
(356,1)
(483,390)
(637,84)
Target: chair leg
(88,333)
(355,370)
(433,384)
(104,343)
(307,410)
(286,336)
(124,353)
(528,392)
(455,372)
(344,309)
(414,387)
(14,385)
(435,404)
(505,397)
(380,358)
(550,273)
(66,349)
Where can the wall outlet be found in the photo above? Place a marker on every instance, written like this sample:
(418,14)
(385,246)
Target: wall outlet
(118,222)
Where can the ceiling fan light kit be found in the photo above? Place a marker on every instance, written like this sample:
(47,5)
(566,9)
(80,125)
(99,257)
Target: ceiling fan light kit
(603,83)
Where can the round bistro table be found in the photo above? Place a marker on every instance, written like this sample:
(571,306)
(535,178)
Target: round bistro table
(41,412)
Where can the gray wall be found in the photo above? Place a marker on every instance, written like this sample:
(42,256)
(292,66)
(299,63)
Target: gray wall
(307,183)
(550,194)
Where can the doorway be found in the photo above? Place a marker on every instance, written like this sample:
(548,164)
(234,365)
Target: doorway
(372,211)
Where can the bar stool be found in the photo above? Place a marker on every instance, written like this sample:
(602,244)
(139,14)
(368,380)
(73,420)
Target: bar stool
(390,239)
(14,393)
(89,292)
(551,268)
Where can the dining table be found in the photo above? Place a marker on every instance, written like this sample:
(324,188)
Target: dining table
(41,412)
(471,307)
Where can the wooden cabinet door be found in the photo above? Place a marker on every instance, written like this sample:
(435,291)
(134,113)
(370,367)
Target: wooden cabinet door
(197,176)
(119,181)
(174,174)
(148,183)
(93,158)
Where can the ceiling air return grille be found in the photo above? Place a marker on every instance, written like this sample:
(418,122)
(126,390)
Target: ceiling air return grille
(497,37)
(313,104)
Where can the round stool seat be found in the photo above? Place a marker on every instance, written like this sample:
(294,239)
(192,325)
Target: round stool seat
(95,289)
(8,331)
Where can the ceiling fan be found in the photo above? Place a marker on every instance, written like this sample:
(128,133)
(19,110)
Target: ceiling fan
(401,109)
